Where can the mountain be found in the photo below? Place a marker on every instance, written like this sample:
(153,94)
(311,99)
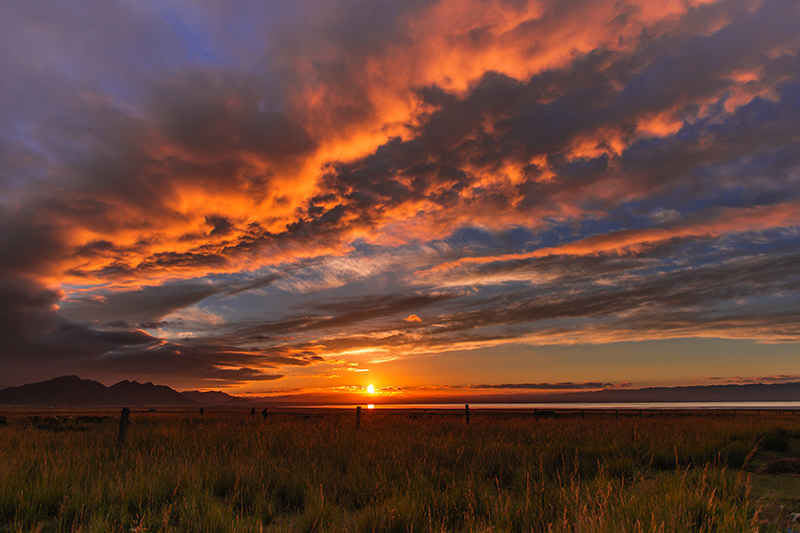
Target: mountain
(751,392)
(213,398)
(66,390)
(72,391)
(134,393)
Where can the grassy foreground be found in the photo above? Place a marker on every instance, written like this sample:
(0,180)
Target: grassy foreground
(402,472)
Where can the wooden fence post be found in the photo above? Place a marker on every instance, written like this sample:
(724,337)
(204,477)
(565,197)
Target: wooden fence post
(616,415)
(358,417)
(466,411)
(123,427)
(581,414)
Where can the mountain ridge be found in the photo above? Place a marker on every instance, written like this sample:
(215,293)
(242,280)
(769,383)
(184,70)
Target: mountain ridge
(692,393)
(73,391)
(215,398)
(748,392)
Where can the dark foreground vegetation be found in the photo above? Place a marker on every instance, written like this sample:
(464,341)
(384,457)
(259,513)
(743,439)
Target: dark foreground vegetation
(401,472)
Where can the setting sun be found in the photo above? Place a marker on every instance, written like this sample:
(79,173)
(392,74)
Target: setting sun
(371,388)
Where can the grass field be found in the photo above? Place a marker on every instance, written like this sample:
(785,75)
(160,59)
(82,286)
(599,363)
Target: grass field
(402,471)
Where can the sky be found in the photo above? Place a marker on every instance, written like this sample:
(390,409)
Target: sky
(434,197)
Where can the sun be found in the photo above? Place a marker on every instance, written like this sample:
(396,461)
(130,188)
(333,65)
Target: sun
(371,388)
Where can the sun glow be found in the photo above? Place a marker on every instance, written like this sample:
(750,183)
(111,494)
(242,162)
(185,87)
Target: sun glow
(371,388)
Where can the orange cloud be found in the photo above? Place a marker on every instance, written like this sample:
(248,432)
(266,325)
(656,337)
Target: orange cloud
(207,149)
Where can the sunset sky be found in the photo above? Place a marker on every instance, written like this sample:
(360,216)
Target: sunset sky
(434,197)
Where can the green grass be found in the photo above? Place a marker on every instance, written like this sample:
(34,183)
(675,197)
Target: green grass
(401,472)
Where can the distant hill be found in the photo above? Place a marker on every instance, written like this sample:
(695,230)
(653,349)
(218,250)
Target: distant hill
(213,398)
(134,393)
(709,393)
(751,392)
(72,391)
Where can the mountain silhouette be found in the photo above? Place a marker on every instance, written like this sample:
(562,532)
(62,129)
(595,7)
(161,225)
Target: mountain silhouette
(135,393)
(749,392)
(72,391)
(213,398)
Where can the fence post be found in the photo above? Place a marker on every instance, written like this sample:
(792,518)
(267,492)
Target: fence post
(358,417)
(466,411)
(616,415)
(581,414)
(123,427)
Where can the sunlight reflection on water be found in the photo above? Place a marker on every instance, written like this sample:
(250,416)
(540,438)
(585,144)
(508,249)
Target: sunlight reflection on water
(571,406)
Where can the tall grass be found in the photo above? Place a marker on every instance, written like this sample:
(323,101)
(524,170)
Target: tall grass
(401,472)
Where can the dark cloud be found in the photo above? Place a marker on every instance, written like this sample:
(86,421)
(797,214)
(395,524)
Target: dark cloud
(29,246)
(194,363)
(259,282)
(694,291)
(149,304)
(221,225)
(347,313)
(106,355)
(26,307)
(39,343)
(218,114)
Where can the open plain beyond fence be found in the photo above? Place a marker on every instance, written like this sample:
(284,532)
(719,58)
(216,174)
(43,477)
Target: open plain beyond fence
(401,471)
